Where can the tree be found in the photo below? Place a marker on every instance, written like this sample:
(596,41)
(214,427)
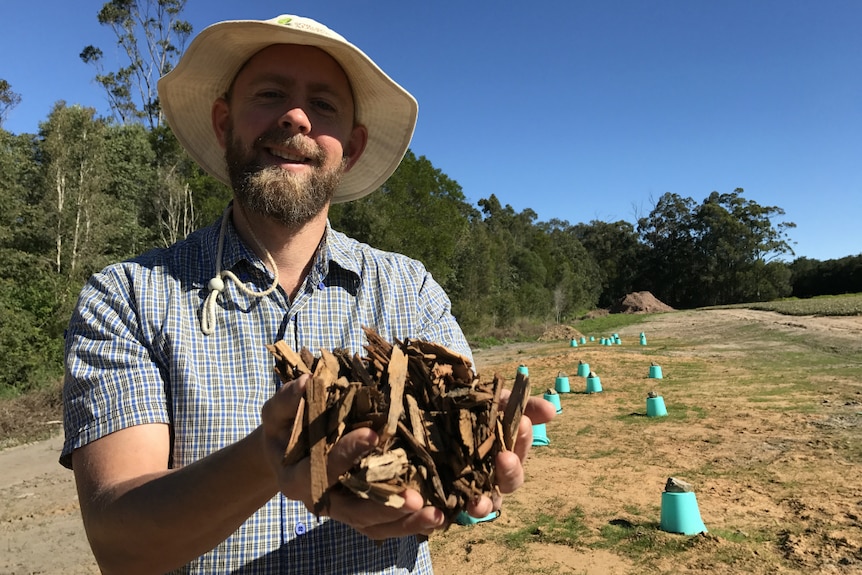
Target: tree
(736,239)
(78,215)
(8,100)
(418,211)
(152,37)
(618,254)
(721,251)
(668,233)
(31,351)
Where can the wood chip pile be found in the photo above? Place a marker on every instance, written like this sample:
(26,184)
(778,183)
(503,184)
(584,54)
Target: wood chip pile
(440,427)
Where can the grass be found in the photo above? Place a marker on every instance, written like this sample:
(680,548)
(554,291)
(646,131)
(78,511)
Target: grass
(609,324)
(566,528)
(832,305)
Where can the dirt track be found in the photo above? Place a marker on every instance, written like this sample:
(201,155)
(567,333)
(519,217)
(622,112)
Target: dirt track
(41,532)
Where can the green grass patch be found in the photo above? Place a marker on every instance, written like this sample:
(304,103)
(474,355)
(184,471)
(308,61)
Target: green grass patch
(609,324)
(639,540)
(565,529)
(830,305)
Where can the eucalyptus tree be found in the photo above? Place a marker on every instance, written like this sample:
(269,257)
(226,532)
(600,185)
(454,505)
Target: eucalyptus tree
(31,352)
(8,100)
(73,142)
(725,250)
(618,254)
(152,36)
(668,233)
(573,272)
(418,211)
(739,245)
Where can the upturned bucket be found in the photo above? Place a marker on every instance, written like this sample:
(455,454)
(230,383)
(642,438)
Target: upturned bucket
(540,435)
(561,384)
(680,513)
(465,518)
(554,398)
(655,372)
(594,384)
(655,407)
(583,369)
(573,343)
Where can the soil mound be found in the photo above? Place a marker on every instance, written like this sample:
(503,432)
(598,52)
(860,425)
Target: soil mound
(640,302)
(558,332)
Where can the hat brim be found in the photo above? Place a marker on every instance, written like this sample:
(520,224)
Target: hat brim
(216,55)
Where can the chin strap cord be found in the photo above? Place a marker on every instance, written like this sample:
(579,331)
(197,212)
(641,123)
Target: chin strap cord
(216,285)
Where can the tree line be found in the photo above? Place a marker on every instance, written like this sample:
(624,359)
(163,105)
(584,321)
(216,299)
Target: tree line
(86,191)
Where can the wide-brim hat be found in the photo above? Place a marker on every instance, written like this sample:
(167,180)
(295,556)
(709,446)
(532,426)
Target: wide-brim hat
(214,58)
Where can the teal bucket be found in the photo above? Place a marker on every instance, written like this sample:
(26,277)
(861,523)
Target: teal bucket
(540,435)
(643,339)
(655,407)
(554,398)
(573,343)
(561,384)
(583,340)
(523,369)
(655,372)
(583,369)
(680,514)
(594,384)
(465,518)
(592,338)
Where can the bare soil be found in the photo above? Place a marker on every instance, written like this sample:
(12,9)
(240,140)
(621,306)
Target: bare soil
(774,451)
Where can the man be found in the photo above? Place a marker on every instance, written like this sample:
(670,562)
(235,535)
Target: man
(175,420)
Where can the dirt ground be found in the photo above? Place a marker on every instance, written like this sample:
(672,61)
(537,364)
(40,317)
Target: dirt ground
(777,472)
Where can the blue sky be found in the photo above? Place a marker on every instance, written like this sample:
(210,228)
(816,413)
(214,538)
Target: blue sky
(578,110)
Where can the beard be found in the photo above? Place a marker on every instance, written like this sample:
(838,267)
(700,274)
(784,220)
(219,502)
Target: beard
(289,198)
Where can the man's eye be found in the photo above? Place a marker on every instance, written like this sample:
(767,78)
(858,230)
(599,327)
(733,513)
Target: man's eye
(324,106)
(269,94)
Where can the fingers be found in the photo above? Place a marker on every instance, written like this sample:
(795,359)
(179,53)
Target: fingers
(378,521)
(279,410)
(348,450)
(481,507)
(540,410)
(509,472)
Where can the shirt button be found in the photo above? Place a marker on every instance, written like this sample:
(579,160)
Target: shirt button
(299,529)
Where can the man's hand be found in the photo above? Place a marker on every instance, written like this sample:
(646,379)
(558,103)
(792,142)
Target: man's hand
(375,520)
(509,466)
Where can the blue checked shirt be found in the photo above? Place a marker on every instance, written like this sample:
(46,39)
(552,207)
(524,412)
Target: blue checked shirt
(135,354)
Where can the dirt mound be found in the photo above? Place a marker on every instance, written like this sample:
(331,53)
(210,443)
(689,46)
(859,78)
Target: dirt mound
(558,332)
(640,302)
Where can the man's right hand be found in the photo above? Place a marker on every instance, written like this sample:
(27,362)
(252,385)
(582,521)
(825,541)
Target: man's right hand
(375,520)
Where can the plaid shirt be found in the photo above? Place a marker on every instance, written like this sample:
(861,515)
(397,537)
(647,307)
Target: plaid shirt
(135,354)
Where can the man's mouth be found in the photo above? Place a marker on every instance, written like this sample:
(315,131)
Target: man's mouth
(287,156)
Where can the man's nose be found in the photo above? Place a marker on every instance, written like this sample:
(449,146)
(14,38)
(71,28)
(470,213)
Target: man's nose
(295,120)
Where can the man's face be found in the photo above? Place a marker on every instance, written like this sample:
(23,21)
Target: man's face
(288,132)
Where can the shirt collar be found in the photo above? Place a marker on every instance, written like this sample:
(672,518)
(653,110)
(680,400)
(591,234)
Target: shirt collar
(335,248)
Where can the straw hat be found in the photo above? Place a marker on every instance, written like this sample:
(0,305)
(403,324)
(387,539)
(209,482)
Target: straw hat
(216,55)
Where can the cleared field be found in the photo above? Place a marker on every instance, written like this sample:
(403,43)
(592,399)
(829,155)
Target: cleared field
(764,418)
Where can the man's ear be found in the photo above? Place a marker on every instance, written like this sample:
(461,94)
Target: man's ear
(356,145)
(220,119)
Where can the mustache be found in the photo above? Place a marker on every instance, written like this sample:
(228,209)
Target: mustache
(277,137)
